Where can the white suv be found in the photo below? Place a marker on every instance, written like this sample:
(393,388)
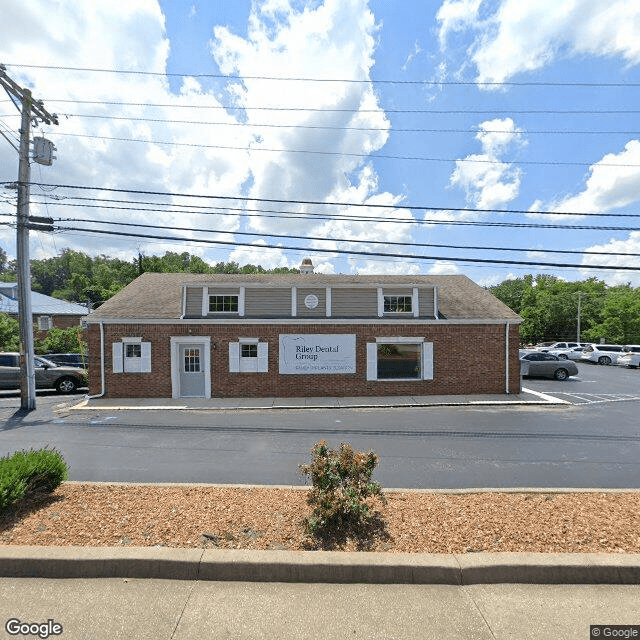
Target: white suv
(630,356)
(602,353)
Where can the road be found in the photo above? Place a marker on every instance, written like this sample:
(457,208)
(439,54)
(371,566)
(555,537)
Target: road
(594,441)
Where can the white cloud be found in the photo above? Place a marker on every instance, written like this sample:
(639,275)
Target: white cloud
(456,15)
(333,39)
(488,182)
(524,36)
(443,268)
(613,183)
(628,245)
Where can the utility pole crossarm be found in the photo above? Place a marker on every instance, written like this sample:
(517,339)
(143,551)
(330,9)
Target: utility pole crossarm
(15,90)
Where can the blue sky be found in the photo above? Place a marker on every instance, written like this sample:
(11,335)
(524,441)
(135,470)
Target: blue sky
(423,123)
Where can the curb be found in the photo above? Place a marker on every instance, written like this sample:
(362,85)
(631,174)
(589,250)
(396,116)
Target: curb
(318,566)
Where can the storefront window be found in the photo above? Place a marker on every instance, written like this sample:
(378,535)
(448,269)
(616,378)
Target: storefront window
(399,361)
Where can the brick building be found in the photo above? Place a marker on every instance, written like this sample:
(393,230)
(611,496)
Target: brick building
(47,312)
(302,335)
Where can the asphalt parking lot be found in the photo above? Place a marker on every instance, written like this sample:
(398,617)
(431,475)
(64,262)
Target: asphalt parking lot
(593,384)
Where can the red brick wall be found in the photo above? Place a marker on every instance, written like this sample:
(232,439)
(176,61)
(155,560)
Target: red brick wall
(468,359)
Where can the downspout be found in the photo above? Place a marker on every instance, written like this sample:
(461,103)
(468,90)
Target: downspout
(102,385)
(506,356)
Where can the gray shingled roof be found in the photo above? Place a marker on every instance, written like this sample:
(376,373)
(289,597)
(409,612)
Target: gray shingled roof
(159,295)
(40,304)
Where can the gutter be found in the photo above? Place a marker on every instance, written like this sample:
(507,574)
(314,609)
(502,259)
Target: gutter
(102,376)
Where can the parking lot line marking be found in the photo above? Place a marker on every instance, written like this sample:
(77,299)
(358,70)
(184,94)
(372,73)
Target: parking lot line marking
(545,396)
(594,398)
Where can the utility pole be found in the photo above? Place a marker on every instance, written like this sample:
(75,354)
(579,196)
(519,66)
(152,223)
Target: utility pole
(30,110)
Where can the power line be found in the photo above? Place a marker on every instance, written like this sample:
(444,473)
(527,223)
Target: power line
(468,159)
(326,80)
(347,240)
(399,207)
(235,107)
(352,252)
(390,129)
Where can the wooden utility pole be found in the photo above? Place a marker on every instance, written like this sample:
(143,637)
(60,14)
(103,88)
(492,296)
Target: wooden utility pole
(30,110)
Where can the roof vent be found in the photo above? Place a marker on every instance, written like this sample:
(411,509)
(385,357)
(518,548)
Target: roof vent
(306,266)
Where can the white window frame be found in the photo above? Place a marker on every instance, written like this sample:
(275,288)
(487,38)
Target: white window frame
(45,323)
(426,358)
(208,292)
(137,364)
(415,303)
(250,364)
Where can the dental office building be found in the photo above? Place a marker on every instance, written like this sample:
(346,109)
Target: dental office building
(175,335)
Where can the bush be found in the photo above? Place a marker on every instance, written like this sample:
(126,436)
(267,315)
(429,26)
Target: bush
(342,494)
(29,472)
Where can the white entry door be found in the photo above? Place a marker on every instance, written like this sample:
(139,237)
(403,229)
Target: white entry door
(190,373)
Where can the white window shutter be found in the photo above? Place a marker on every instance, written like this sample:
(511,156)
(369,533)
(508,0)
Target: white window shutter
(234,357)
(372,361)
(205,301)
(380,303)
(427,360)
(263,357)
(241,302)
(145,364)
(116,353)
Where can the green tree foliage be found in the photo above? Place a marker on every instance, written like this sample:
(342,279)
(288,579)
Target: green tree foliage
(77,277)
(549,307)
(64,341)
(9,333)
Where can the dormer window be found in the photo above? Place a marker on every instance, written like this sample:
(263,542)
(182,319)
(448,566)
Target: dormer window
(397,304)
(223,301)
(223,304)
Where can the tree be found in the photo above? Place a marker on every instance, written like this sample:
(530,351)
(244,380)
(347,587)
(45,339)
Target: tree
(64,341)
(9,333)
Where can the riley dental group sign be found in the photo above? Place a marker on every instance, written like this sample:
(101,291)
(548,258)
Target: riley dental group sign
(317,353)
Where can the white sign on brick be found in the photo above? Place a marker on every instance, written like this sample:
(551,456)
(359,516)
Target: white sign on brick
(317,353)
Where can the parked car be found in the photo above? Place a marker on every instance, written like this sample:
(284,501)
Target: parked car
(68,359)
(48,374)
(567,354)
(546,365)
(561,345)
(602,353)
(630,356)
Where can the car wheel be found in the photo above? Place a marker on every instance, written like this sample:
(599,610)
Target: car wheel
(604,360)
(562,356)
(561,374)
(66,385)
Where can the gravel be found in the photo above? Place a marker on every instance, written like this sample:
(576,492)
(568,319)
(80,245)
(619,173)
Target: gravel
(104,515)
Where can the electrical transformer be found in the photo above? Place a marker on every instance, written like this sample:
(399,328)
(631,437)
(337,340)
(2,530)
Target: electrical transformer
(43,151)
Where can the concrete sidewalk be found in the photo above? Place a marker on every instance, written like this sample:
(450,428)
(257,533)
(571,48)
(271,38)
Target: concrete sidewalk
(131,609)
(525,397)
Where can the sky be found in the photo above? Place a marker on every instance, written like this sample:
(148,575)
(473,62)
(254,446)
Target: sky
(491,138)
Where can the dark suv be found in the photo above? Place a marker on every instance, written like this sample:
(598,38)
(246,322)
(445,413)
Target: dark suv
(68,359)
(48,374)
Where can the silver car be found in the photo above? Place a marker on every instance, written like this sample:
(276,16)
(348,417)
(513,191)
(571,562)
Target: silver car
(546,365)
(48,374)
